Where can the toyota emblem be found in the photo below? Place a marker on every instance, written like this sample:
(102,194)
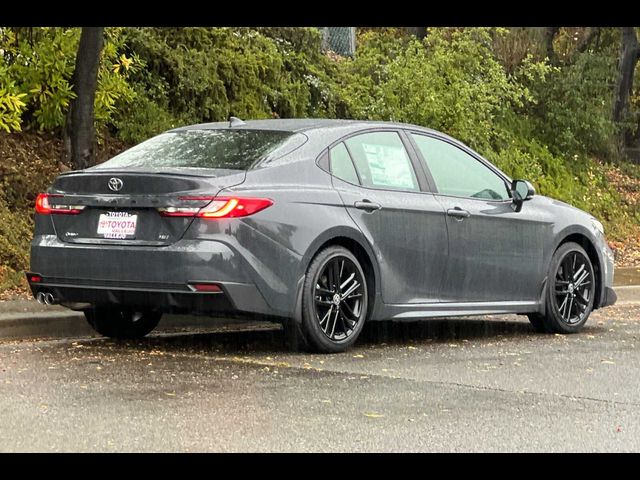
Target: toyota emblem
(115,184)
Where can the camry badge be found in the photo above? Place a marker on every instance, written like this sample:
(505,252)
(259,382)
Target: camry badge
(115,184)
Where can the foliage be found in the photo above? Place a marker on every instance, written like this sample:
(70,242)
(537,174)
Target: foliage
(573,114)
(199,75)
(15,234)
(11,105)
(452,83)
(39,71)
(42,70)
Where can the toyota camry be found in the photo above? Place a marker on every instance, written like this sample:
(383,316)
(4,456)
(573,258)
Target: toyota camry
(321,225)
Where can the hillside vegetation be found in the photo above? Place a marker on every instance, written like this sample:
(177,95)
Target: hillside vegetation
(493,88)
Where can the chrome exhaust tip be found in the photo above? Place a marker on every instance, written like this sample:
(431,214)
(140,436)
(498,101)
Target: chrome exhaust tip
(48,299)
(40,297)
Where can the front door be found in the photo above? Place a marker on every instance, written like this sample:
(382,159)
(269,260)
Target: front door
(405,227)
(495,254)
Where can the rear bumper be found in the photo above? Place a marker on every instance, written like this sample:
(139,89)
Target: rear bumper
(149,277)
(233,299)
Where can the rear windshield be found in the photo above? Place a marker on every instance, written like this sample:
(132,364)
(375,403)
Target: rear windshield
(228,149)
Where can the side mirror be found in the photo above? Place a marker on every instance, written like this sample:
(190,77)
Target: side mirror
(521,191)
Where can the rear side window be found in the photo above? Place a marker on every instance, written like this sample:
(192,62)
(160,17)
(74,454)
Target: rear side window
(341,164)
(382,161)
(228,149)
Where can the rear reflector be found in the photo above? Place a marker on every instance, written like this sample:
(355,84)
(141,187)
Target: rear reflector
(205,287)
(45,205)
(35,278)
(224,207)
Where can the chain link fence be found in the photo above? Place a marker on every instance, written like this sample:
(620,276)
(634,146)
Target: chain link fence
(341,40)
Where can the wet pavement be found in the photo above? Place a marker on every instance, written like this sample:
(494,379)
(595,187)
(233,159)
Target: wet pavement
(479,384)
(627,276)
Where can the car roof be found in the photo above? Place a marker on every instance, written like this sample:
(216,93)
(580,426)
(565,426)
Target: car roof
(300,125)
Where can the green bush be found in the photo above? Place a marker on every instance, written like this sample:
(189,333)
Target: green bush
(143,119)
(38,71)
(15,236)
(452,83)
(203,74)
(573,112)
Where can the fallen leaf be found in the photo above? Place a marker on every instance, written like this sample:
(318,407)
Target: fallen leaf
(373,415)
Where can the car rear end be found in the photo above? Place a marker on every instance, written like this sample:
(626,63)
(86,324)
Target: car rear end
(129,232)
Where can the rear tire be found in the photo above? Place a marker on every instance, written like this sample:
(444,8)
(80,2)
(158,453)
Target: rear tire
(334,303)
(570,291)
(122,323)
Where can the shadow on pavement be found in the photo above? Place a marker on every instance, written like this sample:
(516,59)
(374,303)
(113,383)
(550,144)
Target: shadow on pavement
(271,338)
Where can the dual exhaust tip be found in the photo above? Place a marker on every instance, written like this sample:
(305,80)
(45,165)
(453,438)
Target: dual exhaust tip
(46,298)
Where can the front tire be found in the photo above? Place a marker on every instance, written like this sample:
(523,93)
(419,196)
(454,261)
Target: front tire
(122,323)
(570,291)
(334,302)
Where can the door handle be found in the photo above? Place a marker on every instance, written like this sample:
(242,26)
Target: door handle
(458,213)
(367,205)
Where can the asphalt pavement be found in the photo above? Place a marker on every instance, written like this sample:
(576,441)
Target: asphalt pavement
(478,384)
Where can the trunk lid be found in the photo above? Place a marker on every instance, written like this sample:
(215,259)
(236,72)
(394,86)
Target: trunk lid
(121,207)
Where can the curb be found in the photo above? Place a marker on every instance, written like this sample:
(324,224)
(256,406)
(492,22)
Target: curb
(66,323)
(60,323)
(44,324)
(627,294)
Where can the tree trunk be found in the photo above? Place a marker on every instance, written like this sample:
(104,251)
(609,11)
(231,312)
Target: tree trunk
(419,32)
(629,53)
(80,135)
(549,35)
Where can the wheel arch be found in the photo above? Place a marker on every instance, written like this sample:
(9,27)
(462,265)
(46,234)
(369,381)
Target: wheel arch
(356,243)
(584,240)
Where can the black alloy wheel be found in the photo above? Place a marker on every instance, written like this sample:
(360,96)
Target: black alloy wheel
(338,296)
(573,287)
(570,291)
(335,302)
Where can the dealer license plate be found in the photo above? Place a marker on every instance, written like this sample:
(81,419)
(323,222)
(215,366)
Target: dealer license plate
(120,225)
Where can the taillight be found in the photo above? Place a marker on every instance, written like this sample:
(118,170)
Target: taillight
(45,205)
(223,207)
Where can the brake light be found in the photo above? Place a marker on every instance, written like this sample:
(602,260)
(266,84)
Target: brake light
(223,207)
(234,207)
(45,205)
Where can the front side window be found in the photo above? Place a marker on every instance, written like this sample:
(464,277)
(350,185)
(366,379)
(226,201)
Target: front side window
(457,173)
(382,161)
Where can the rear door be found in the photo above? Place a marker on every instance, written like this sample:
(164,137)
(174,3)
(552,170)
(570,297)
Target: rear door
(405,226)
(495,253)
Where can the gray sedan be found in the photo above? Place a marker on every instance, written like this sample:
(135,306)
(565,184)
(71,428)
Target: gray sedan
(322,225)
